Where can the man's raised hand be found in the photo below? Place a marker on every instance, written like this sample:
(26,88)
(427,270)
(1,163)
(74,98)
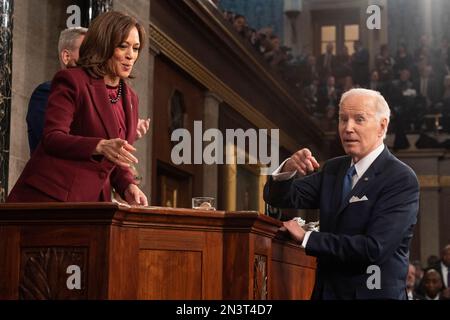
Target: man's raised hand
(302,161)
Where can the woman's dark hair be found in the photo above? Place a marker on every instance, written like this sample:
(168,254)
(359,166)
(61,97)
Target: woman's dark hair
(106,33)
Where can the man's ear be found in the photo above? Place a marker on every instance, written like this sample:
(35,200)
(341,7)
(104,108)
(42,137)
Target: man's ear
(383,125)
(65,56)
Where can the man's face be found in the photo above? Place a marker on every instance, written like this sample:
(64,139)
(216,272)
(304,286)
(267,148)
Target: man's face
(433,283)
(75,52)
(359,129)
(239,24)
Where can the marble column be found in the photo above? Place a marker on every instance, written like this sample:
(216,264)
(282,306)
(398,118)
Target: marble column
(143,85)
(98,7)
(211,121)
(6,27)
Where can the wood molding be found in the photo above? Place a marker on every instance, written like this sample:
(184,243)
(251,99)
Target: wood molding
(428,181)
(444,181)
(433,181)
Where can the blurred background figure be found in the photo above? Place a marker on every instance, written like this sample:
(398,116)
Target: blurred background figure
(431,285)
(68,51)
(411,282)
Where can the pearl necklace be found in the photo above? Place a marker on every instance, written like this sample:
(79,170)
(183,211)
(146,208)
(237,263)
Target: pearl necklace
(119,94)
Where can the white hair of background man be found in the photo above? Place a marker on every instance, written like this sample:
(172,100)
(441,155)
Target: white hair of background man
(68,37)
(382,110)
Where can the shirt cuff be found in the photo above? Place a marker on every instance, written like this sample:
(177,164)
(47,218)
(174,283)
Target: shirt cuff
(305,239)
(283,176)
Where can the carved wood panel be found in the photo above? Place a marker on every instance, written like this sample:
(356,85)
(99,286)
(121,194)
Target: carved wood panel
(260,278)
(45,273)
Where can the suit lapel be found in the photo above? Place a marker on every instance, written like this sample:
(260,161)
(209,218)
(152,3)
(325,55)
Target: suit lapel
(363,183)
(97,90)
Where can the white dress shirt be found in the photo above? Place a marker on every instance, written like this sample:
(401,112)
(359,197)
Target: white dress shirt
(360,167)
(444,271)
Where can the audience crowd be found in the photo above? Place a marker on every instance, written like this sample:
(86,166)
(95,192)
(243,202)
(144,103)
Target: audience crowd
(416,85)
(431,282)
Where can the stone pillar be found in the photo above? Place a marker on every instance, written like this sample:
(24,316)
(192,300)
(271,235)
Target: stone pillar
(429,222)
(426,167)
(143,85)
(211,121)
(6,27)
(427,16)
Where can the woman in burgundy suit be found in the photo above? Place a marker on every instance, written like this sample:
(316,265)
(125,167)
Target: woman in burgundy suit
(90,123)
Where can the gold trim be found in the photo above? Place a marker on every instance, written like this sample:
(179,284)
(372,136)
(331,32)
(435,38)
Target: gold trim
(230,173)
(178,55)
(261,203)
(433,181)
(444,181)
(428,181)
(230,180)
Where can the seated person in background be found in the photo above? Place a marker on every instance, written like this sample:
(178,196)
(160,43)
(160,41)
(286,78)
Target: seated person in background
(328,98)
(90,123)
(239,24)
(410,283)
(431,285)
(310,97)
(443,267)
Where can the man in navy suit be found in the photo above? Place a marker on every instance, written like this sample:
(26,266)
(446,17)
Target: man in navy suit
(68,48)
(368,203)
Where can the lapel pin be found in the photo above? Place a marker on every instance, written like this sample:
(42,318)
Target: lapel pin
(366,179)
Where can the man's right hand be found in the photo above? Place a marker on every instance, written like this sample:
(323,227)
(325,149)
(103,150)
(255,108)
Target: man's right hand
(302,161)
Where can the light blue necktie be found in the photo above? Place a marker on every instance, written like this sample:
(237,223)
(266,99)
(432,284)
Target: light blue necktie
(348,179)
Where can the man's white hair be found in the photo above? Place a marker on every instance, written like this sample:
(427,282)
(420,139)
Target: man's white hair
(68,37)
(382,110)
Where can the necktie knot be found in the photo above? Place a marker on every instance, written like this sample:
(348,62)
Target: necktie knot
(351,172)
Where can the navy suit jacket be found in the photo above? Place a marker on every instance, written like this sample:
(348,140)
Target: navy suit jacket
(36,114)
(355,235)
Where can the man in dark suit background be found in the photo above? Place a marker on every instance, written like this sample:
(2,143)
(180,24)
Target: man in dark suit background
(443,267)
(68,50)
(368,203)
(360,64)
(327,62)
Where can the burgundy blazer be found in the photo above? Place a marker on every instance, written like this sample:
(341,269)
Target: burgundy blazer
(78,116)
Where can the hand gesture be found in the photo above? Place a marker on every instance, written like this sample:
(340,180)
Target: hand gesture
(302,161)
(117,151)
(142,127)
(134,196)
(296,232)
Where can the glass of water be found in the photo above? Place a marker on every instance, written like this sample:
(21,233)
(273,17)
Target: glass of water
(204,203)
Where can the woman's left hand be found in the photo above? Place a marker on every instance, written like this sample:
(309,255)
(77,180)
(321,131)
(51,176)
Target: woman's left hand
(142,127)
(134,196)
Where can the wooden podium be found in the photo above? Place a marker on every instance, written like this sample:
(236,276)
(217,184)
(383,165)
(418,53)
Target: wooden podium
(115,252)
